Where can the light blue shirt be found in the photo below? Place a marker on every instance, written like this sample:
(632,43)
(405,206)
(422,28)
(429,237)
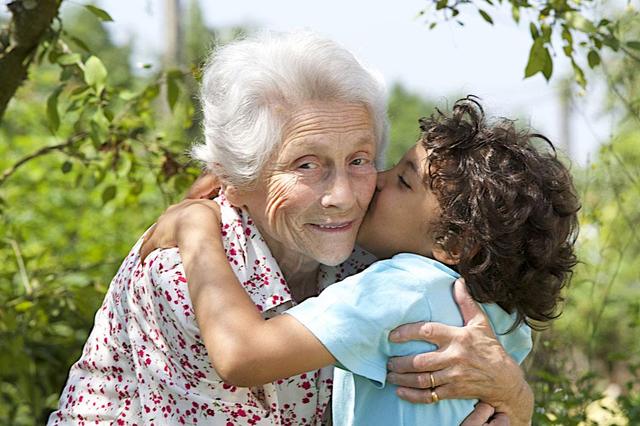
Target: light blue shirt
(353,318)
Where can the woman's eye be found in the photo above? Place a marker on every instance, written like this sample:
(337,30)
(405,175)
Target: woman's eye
(403,182)
(360,162)
(308,166)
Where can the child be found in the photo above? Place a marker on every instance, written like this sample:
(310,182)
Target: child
(470,199)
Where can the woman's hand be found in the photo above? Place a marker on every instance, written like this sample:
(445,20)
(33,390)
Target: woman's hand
(469,363)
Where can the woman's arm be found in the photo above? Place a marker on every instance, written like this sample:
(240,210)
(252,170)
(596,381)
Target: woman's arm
(469,363)
(244,349)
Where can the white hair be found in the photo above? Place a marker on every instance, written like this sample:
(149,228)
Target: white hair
(248,86)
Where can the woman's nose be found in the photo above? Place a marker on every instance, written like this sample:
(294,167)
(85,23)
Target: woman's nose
(340,192)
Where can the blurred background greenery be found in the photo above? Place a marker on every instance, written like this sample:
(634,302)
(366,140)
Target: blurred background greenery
(92,151)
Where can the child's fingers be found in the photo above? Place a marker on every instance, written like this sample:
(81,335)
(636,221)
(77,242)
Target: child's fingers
(147,245)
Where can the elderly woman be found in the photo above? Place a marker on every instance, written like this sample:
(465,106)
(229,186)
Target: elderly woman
(293,126)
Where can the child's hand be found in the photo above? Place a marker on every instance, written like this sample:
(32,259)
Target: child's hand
(206,186)
(181,224)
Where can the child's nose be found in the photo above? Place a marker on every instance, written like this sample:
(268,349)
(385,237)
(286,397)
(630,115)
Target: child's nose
(381,180)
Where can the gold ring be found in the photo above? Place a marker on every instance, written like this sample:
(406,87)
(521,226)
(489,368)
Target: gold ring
(434,397)
(433,382)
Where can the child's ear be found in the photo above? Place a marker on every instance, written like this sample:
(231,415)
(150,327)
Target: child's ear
(445,256)
(453,255)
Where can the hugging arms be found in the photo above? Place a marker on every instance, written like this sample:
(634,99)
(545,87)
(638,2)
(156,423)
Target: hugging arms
(247,350)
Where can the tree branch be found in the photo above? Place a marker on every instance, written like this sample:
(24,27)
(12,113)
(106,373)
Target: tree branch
(29,24)
(42,151)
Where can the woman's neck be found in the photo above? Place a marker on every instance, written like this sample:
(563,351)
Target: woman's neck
(300,271)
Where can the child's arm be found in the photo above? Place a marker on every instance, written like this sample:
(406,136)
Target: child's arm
(244,349)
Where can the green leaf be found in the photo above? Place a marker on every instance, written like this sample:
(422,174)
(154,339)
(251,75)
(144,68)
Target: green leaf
(634,45)
(109,193)
(534,31)
(24,306)
(566,35)
(579,75)
(611,42)
(441,4)
(69,59)
(52,109)
(81,44)
(515,13)
(594,58)
(100,13)
(537,58)
(173,91)
(127,95)
(579,22)
(66,167)
(485,16)
(547,68)
(95,74)
(546,32)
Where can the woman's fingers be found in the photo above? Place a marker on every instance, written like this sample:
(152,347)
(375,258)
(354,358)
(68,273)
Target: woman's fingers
(468,307)
(411,380)
(500,419)
(433,332)
(424,396)
(480,415)
(426,362)
(448,376)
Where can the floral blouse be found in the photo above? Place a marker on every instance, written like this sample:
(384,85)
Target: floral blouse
(144,362)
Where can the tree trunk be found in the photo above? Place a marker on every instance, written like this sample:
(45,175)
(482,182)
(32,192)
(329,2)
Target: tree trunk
(30,21)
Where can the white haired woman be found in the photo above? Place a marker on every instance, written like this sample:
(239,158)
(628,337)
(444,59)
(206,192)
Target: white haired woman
(293,126)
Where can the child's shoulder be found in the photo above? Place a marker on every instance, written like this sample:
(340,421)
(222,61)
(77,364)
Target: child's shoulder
(406,273)
(420,267)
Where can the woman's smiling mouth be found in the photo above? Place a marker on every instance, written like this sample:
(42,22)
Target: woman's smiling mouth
(333,227)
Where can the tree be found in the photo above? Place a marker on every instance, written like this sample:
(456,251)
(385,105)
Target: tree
(405,108)
(20,40)
(583,35)
(85,143)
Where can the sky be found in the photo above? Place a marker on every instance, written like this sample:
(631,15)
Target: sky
(389,36)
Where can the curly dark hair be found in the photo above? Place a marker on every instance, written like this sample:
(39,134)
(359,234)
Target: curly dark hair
(509,210)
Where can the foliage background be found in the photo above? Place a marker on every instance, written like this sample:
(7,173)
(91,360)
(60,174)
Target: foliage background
(70,213)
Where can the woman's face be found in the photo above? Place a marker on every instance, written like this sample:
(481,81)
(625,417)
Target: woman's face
(311,198)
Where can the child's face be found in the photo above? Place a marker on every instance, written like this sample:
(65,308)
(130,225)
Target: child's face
(403,210)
